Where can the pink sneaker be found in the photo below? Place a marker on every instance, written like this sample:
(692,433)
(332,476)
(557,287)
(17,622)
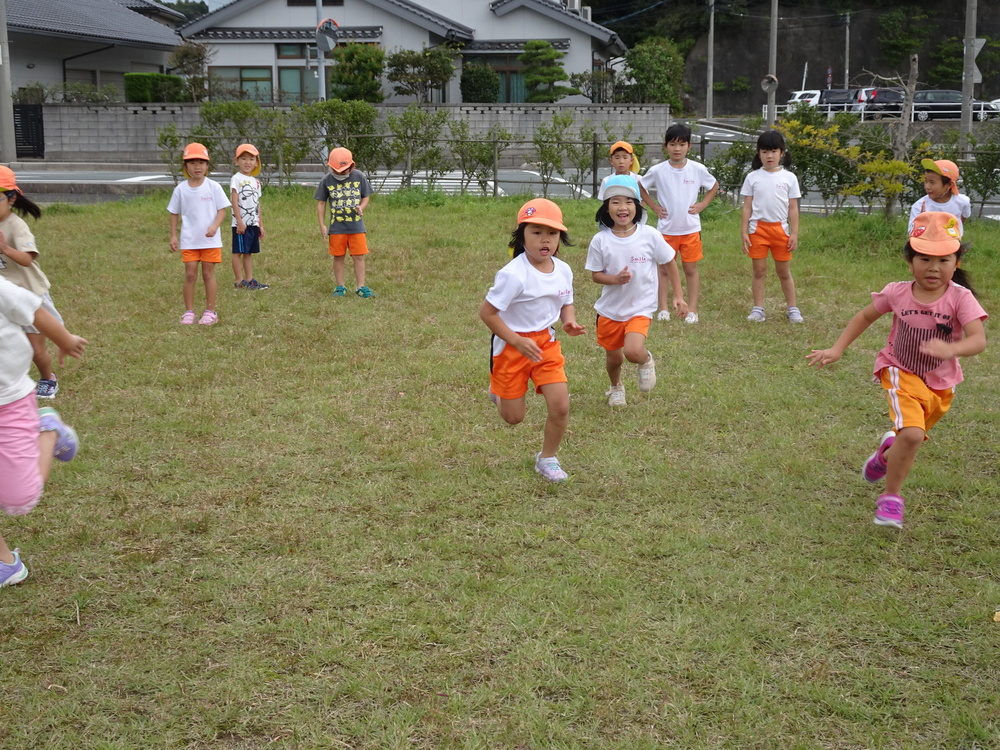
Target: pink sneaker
(208,318)
(187,318)
(874,468)
(889,511)
(549,468)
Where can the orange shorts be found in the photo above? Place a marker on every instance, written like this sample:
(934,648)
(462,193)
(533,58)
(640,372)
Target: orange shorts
(340,243)
(510,370)
(688,246)
(209,255)
(769,235)
(911,402)
(611,333)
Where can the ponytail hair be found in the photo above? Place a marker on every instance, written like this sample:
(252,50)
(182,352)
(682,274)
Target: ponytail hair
(960,276)
(768,140)
(24,206)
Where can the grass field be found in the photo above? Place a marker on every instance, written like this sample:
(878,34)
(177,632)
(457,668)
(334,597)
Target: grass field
(306,527)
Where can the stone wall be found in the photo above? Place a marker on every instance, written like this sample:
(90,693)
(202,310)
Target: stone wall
(126,133)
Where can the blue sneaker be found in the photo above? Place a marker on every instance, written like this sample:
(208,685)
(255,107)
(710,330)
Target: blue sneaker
(47,388)
(14,572)
(67,442)
(364,292)
(253,285)
(340,291)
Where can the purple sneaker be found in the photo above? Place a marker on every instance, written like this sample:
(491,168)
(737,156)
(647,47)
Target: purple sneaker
(67,442)
(549,468)
(889,511)
(874,468)
(14,572)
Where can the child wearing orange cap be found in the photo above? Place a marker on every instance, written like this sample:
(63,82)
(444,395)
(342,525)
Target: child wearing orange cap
(941,186)
(19,265)
(936,319)
(347,191)
(200,203)
(623,161)
(248,224)
(528,296)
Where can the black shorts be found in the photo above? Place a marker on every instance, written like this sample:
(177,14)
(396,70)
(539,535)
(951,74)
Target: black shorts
(248,242)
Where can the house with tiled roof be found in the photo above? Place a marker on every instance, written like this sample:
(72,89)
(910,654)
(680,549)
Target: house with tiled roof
(267,48)
(88,41)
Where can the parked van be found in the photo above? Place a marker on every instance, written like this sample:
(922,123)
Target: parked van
(835,100)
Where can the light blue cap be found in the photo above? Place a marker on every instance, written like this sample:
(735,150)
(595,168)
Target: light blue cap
(621,184)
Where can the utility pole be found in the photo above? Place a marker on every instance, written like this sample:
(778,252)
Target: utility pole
(772,63)
(8,146)
(968,74)
(710,75)
(847,50)
(319,54)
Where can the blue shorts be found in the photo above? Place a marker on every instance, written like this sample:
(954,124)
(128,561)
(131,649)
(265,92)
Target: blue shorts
(248,242)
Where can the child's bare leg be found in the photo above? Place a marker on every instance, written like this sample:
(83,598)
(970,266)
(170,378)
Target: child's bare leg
(338,269)
(359,270)
(783,269)
(190,277)
(635,348)
(613,363)
(662,288)
(6,555)
(759,277)
(41,356)
(238,267)
(247,266)
(557,401)
(899,458)
(512,410)
(208,275)
(693,284)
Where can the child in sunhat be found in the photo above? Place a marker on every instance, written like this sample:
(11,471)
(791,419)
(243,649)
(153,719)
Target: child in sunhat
(200,203)
(941,186)
(623,161)
(248,223)
(529,295)
(347,191)
(936,320)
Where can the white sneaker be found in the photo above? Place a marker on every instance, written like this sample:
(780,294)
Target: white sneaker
(756,315)
(549,468)
(616,395)
(691,318)
(647,375)
(794,316)
(663,315)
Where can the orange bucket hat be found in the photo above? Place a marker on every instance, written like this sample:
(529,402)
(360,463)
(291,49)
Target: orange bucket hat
(249,148)
(8,182)
(945,168)
(193,151)
(541,211)
(341,160)
(935,233)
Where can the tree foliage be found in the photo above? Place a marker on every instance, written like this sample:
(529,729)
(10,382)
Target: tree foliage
(543,70)
(191,10)
(356,73)
(902,32)
(190,60)
(657,71)
(479,83)
(419,73)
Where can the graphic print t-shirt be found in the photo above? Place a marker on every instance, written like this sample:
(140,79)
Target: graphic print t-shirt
(914,322)
(343,197)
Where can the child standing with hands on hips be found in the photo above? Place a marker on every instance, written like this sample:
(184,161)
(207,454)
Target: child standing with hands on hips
(677,183)
(770,221)
(935,320)
(19,265)
(528,296)
(29,437)
(941,186)
(347,191)
(625,257)
(248,223)
(200,203)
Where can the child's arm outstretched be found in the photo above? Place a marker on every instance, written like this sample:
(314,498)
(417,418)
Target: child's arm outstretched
(568,317)
(972,343)
(669,270)
(857,325)
(68,343)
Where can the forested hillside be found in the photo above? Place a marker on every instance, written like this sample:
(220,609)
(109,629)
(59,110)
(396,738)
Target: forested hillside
(811,40)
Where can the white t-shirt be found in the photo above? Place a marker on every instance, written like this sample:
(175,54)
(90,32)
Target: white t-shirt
(641,251)
(17,309)
(770,192)
(198,208)
(677,190)
(529,300)
(957,205)
(247,190)
(600,192)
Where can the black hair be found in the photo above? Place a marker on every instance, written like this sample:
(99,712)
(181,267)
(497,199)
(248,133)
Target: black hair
(960,277)
(603,215)
(677,132)
(24,206)
(517,239)
(946,181)
(771,139)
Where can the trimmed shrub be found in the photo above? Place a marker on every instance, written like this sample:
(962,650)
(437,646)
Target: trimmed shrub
(154,87)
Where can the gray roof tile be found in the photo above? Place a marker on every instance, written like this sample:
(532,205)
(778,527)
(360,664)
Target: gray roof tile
(98,20)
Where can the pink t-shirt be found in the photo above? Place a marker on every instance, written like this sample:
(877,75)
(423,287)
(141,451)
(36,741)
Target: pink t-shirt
(914,322)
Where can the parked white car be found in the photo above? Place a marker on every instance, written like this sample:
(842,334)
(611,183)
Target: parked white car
(809,96)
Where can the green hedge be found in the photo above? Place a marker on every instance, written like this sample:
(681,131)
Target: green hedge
(154,87)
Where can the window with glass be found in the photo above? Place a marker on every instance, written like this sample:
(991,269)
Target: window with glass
(297,85)
(242,83)
(512,88)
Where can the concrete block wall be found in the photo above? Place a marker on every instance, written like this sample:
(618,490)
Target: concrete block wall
(126,133)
